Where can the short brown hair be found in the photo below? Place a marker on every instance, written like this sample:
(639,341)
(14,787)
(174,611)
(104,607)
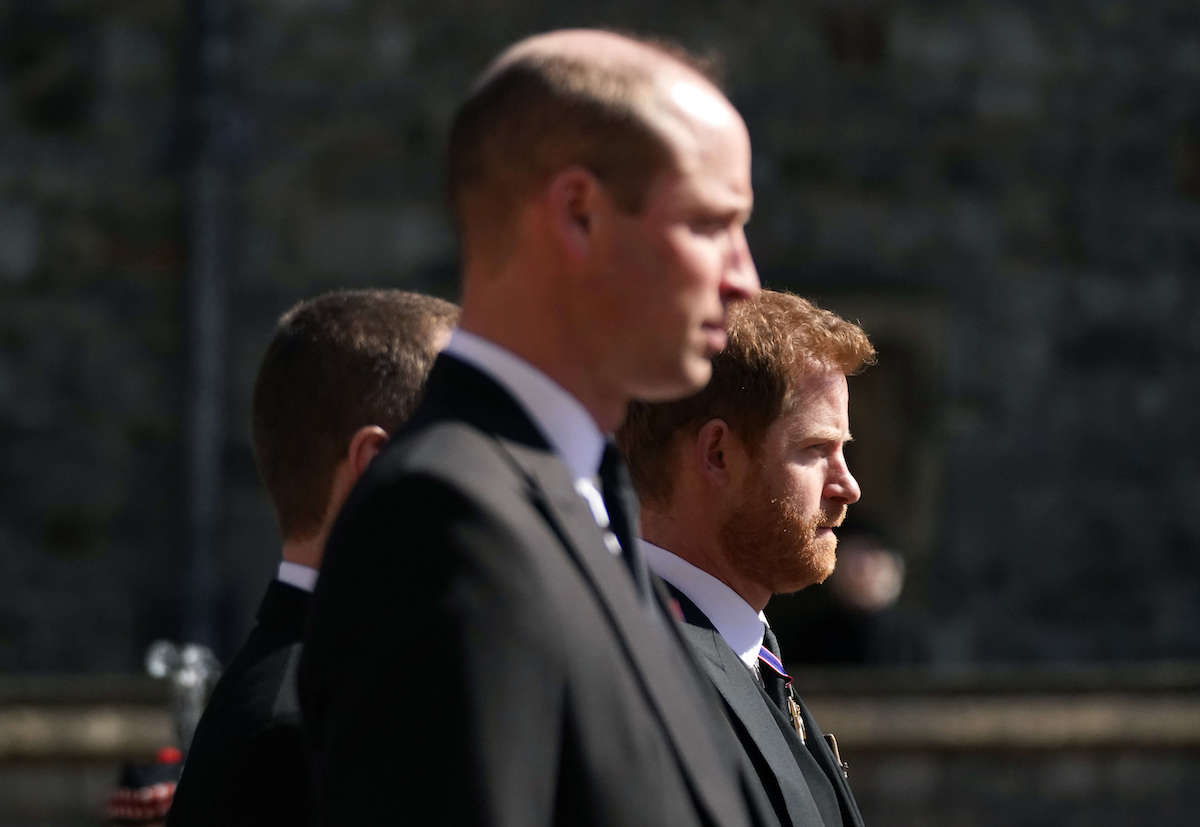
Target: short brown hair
(541,112)
(772,339)
(337,363)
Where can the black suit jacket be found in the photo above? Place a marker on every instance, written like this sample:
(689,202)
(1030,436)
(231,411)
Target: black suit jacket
(246,764)
(475,647)
(801,778)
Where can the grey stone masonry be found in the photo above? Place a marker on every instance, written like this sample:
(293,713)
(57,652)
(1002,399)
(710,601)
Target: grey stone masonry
(1007,194)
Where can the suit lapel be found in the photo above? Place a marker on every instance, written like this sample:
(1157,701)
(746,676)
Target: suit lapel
(281,620)
(757,714)
(829,765)
(660,666)
(751,707)
(457,391)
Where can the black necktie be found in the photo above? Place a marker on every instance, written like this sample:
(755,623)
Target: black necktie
(621,505)
(773,682)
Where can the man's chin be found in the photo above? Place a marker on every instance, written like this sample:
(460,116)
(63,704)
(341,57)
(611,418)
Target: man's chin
(823,575)
(819,563)
(692,376)
(815,573)
(826,557)
(698,376)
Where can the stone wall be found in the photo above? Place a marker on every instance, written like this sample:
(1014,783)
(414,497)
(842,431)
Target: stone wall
(1006,193)
(1100,747)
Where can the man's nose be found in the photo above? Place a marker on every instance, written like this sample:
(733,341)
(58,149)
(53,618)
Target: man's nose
(842,487)
(740,279)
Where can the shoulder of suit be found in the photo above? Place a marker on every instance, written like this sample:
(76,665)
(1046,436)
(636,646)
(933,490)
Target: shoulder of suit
(439,449)
(258,676)
(451,454)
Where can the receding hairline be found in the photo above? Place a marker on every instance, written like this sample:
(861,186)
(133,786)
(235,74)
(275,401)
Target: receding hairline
(600,46)
(679,90)
(625,108)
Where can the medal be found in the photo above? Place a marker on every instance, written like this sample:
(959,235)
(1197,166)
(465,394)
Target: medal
(794,714)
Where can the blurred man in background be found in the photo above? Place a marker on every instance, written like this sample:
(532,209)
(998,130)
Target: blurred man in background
(484,636)
(856,618)
(341,373)
(741,487)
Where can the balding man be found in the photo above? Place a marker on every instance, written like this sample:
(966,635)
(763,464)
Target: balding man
(486,645)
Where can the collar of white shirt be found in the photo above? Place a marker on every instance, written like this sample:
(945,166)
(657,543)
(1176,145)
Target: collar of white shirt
(564,422)
(294,574)
(733,618)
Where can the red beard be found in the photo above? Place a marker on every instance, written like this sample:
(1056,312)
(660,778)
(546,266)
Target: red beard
(771,542)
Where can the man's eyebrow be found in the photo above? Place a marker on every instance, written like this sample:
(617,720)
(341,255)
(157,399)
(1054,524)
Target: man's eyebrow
(830,434)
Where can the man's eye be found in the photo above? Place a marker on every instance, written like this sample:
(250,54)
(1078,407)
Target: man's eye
(709,226)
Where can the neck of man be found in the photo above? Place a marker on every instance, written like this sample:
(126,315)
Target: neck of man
(306,551)
(691,538)
(527,325)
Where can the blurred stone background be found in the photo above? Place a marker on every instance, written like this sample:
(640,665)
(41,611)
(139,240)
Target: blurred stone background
(1006,194)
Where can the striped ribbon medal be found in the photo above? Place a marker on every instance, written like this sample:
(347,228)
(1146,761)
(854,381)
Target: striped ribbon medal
(793,709)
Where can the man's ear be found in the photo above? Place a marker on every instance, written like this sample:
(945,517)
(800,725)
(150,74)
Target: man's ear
(364,445)
(571,200)
(715,453)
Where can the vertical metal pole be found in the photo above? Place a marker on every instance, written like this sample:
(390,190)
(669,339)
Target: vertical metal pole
(209,121)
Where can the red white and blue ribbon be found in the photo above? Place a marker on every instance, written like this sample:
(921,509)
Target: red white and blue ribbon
(768,657)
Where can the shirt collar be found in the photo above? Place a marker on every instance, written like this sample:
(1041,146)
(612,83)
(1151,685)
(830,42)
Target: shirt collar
(734,620)
(561,418)
(294,574)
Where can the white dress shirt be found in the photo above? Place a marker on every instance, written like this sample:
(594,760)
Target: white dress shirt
(737,623)
(294,574)
(560,417)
